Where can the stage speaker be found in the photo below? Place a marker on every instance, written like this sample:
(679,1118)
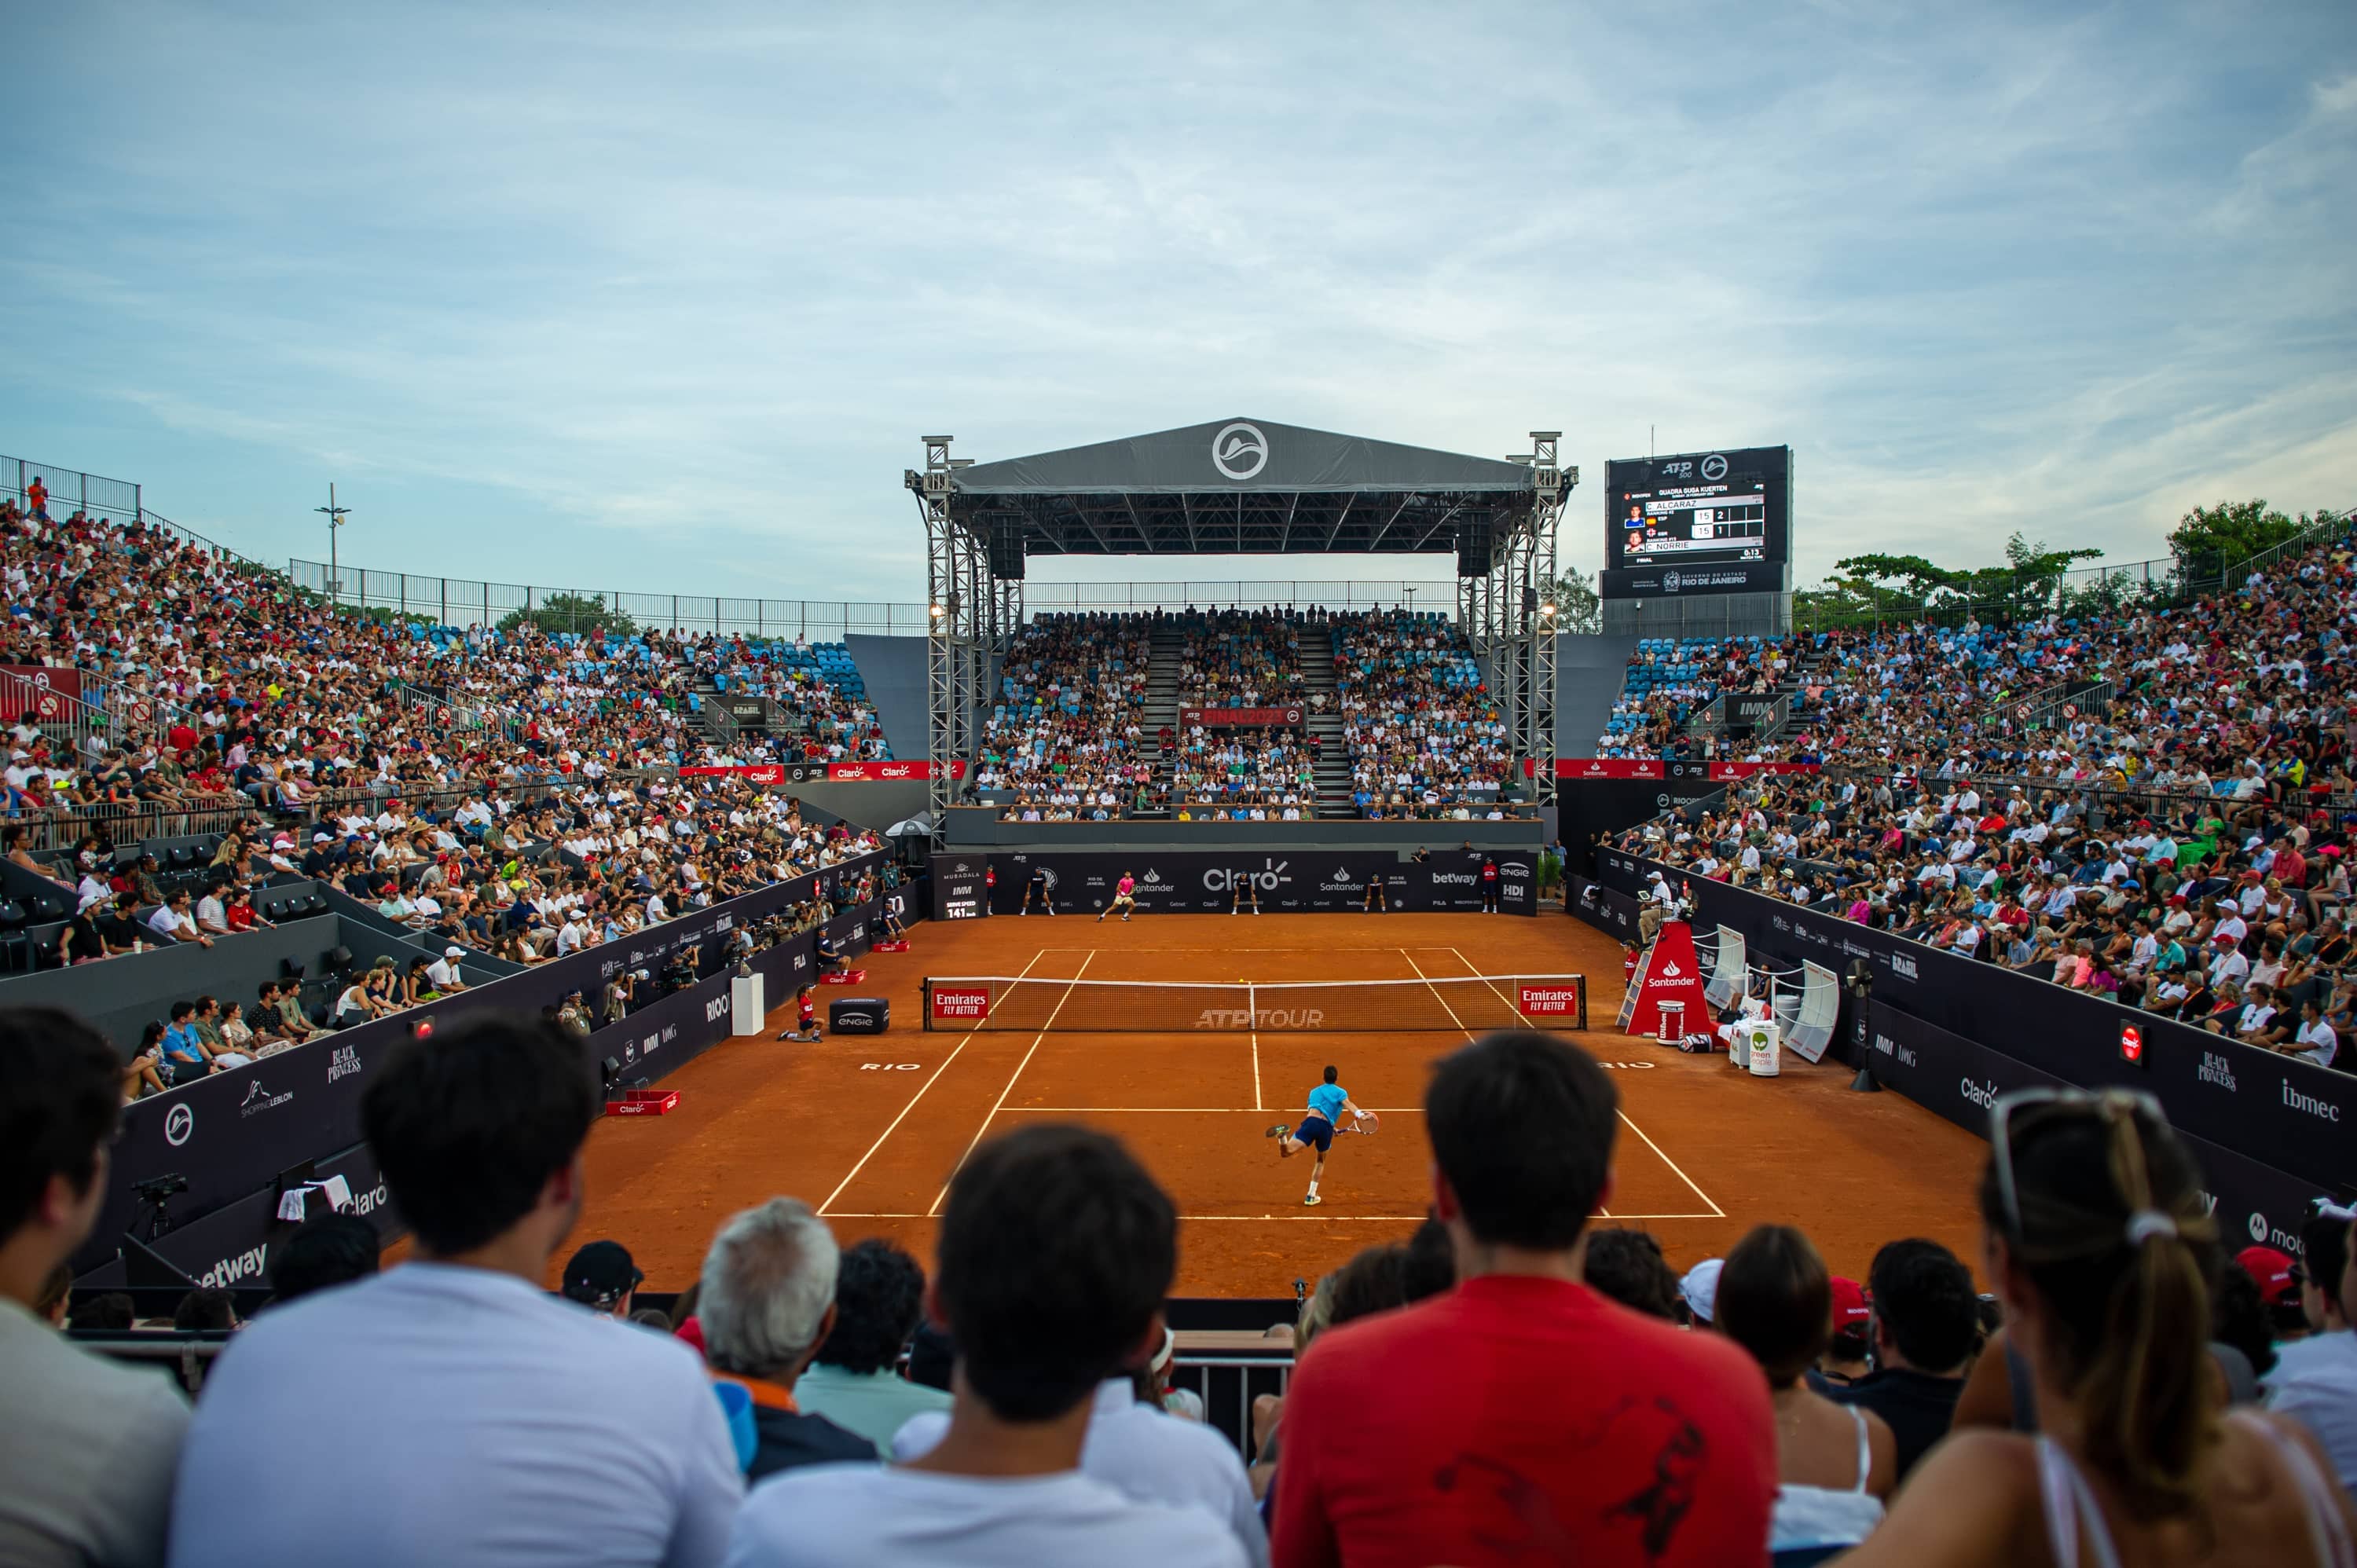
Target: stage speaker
(1473,551)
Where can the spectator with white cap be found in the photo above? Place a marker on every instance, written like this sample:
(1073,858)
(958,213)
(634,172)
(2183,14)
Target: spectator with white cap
(1699,1287)
(443,971)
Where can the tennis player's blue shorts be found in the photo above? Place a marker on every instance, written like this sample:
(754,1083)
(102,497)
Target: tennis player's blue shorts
(1314,1131)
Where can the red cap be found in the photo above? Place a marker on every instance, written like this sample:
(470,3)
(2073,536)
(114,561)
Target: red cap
(1850,1310)
(2272,1270)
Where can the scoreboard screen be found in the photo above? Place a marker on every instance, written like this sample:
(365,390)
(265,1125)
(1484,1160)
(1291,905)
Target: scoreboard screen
(1700,521)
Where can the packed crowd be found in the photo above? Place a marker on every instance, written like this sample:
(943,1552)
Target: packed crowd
(1420,724)
(2124,1395)
(576,868)
(1067,731)
(207,682)
(2201,697)
(1241,659)
(2180,843)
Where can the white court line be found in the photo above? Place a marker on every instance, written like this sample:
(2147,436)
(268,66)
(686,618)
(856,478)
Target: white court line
(912,1103)
(1256,1037)
(1468,1035)
(1003,1093)
(1189,1109)
(1472,968)
(1419,1219)
(1682,1176)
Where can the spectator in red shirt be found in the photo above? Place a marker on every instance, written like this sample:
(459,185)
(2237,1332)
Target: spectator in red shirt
(1522,1417)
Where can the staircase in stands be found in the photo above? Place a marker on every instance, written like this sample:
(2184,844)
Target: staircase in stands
(1162,705)
(1324,724)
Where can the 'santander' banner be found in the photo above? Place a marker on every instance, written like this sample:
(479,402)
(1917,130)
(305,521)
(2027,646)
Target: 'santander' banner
(1240,718)
(820,772)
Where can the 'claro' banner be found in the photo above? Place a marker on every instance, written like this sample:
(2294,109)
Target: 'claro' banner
(821,772)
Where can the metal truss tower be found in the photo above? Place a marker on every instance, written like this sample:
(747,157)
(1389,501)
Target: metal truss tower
(1509,611)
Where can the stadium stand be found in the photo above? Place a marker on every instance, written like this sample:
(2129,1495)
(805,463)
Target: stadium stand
(2177,835)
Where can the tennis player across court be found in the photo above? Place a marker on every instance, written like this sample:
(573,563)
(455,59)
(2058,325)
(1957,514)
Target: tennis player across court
(1125,898)
(1329,1103)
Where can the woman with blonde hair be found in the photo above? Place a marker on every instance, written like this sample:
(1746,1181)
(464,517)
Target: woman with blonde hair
(2102,1247)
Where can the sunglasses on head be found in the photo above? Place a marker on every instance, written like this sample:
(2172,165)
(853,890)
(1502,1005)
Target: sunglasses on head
(2138,1104)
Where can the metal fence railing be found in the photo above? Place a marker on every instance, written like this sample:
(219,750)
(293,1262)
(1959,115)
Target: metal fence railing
(1341,594)
(463,602)
(69,489)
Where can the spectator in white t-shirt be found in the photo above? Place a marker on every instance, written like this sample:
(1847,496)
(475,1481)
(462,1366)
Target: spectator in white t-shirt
(1098,1241)
(443,971)
(495,1424)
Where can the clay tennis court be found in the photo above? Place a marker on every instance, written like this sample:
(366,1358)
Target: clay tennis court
(870,1128)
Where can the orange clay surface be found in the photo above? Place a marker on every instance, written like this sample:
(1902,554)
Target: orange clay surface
(869,1128)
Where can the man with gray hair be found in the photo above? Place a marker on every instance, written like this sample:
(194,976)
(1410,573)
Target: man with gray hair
(766,1305)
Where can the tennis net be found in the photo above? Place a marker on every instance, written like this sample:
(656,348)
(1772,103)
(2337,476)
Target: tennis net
(1472,1003)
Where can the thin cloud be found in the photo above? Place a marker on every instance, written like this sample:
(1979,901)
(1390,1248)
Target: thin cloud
(554,293)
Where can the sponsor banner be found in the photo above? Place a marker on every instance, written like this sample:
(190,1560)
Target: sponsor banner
(1608,909)
(37,689)
(233,1247)
(230,1133)
(1206,882)
(960,888)
(1725,770)
(1543,1001)
(1685,582)
(2253,1204)
(2287,1114)
(960,1003)
(1240,718)
(1601,768)
(821,772)
(876,772)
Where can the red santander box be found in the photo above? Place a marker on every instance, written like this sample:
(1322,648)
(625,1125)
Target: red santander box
(1560,997)
(960,1003)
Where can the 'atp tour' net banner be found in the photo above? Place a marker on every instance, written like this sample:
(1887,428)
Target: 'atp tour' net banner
(1461,1003)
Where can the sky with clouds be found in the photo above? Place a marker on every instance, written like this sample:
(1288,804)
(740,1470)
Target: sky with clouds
(664,299)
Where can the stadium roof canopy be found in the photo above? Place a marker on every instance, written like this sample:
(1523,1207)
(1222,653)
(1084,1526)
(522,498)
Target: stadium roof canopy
(1239,487)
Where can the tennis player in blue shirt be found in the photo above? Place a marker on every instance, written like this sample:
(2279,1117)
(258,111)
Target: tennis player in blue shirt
(1328,1102)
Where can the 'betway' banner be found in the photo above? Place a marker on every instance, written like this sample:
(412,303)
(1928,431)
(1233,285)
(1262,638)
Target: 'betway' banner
(230,1134)
(2289,1115)
(1206,881)
(820,772)
(1239,718)
(2253,1204)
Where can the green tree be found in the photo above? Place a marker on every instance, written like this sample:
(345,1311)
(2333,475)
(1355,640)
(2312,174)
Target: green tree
(1577,605)
(583,613)
(2211,540)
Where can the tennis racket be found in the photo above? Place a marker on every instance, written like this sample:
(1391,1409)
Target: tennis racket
(1368,1123)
